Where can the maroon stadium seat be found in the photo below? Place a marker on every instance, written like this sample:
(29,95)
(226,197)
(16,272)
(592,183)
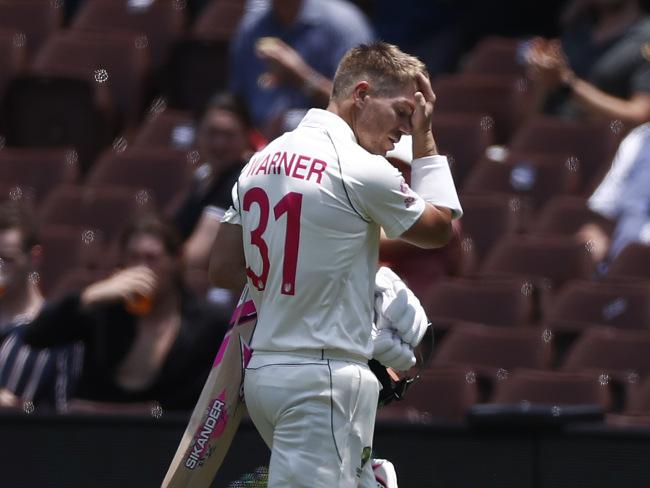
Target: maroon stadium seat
(633,263)
(107,209)
(551,388)
(566,214)
(166,128)
(167,173)
(35,19)
(161,21)
(494,55)
(13,57)
(439,394)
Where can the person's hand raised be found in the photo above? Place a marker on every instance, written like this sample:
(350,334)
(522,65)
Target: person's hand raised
(124,285)
(423,141)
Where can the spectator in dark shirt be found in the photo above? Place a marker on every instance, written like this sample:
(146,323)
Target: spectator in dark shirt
(146,338)
(225,140)
(29,376)
(601,66)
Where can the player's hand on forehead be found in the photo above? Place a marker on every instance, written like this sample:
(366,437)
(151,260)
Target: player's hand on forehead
(424,100)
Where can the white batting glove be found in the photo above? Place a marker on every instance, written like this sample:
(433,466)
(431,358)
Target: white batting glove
(396,307)
(390,351)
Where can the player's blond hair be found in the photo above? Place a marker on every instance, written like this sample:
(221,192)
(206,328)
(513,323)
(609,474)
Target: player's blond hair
(383,65)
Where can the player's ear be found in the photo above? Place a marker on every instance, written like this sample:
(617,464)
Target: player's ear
(360,93)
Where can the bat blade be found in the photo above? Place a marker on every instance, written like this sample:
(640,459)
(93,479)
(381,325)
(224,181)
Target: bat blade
(218,411)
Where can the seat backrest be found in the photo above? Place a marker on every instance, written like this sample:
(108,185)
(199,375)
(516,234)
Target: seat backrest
(35,19)
(551,388)
(617,352)
(582,304)
(495,55)
(487,218)
(504,302)
(167,128)
(161,21)
(463,138)
(119,58)
(500,97)
(39,169)
(593,143)
(566,214)
(42,111)
(443,393)
(494,351)
(107,209)
(534,177)
(13,56)
(633,262)
(548,261)
(167,173)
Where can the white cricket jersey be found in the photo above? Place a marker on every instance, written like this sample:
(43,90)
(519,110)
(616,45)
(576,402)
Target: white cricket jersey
(311,205)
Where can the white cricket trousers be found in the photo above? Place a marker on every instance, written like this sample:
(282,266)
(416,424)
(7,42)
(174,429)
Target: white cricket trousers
(317,416)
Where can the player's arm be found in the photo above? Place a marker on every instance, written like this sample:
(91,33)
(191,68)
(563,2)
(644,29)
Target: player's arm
(430,177)
(227,262)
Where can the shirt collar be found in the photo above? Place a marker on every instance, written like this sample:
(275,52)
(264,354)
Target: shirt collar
(325,119)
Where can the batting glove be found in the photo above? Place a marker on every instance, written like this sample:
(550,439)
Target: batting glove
(390,351)
(396,307)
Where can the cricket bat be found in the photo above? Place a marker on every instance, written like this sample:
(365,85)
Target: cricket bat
(220,407)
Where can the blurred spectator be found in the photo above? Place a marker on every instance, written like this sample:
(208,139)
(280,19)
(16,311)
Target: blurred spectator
(40,376)
(224,142)
(147,339)
(285,53)
(420,268)
(623,196)
(601,66)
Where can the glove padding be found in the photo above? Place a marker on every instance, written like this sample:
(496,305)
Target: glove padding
(390,351)
(396,307)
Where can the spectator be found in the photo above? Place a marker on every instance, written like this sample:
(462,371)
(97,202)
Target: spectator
(223,141)
(40,376)
(600,68)
(285,53)
(624,197)
(146,338)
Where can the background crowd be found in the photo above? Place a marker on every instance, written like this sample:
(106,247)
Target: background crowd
(124,124)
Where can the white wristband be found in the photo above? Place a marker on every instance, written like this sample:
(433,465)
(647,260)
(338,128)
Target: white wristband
(431,179)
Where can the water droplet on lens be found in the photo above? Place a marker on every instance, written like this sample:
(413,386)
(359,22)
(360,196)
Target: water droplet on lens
(101,75)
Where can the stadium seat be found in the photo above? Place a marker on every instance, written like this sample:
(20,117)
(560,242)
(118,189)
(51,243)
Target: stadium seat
(487,218)
(616,354)
(594,144)
(565,215)
(463,138)
(533,177)
(160,21)
(167,173)
(583,304)
(548,261)
(167,128)
(507,303)
(43,111)
(106,209)
(34,19)
(65,248)
(440,394)
(495,55)
(118,58)
(13,57)
(500,97)
(38,169)
(633,263)
(551,388)
(494,352)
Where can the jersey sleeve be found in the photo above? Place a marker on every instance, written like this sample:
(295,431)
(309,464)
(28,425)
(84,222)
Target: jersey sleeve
(379,193)
(232,215)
